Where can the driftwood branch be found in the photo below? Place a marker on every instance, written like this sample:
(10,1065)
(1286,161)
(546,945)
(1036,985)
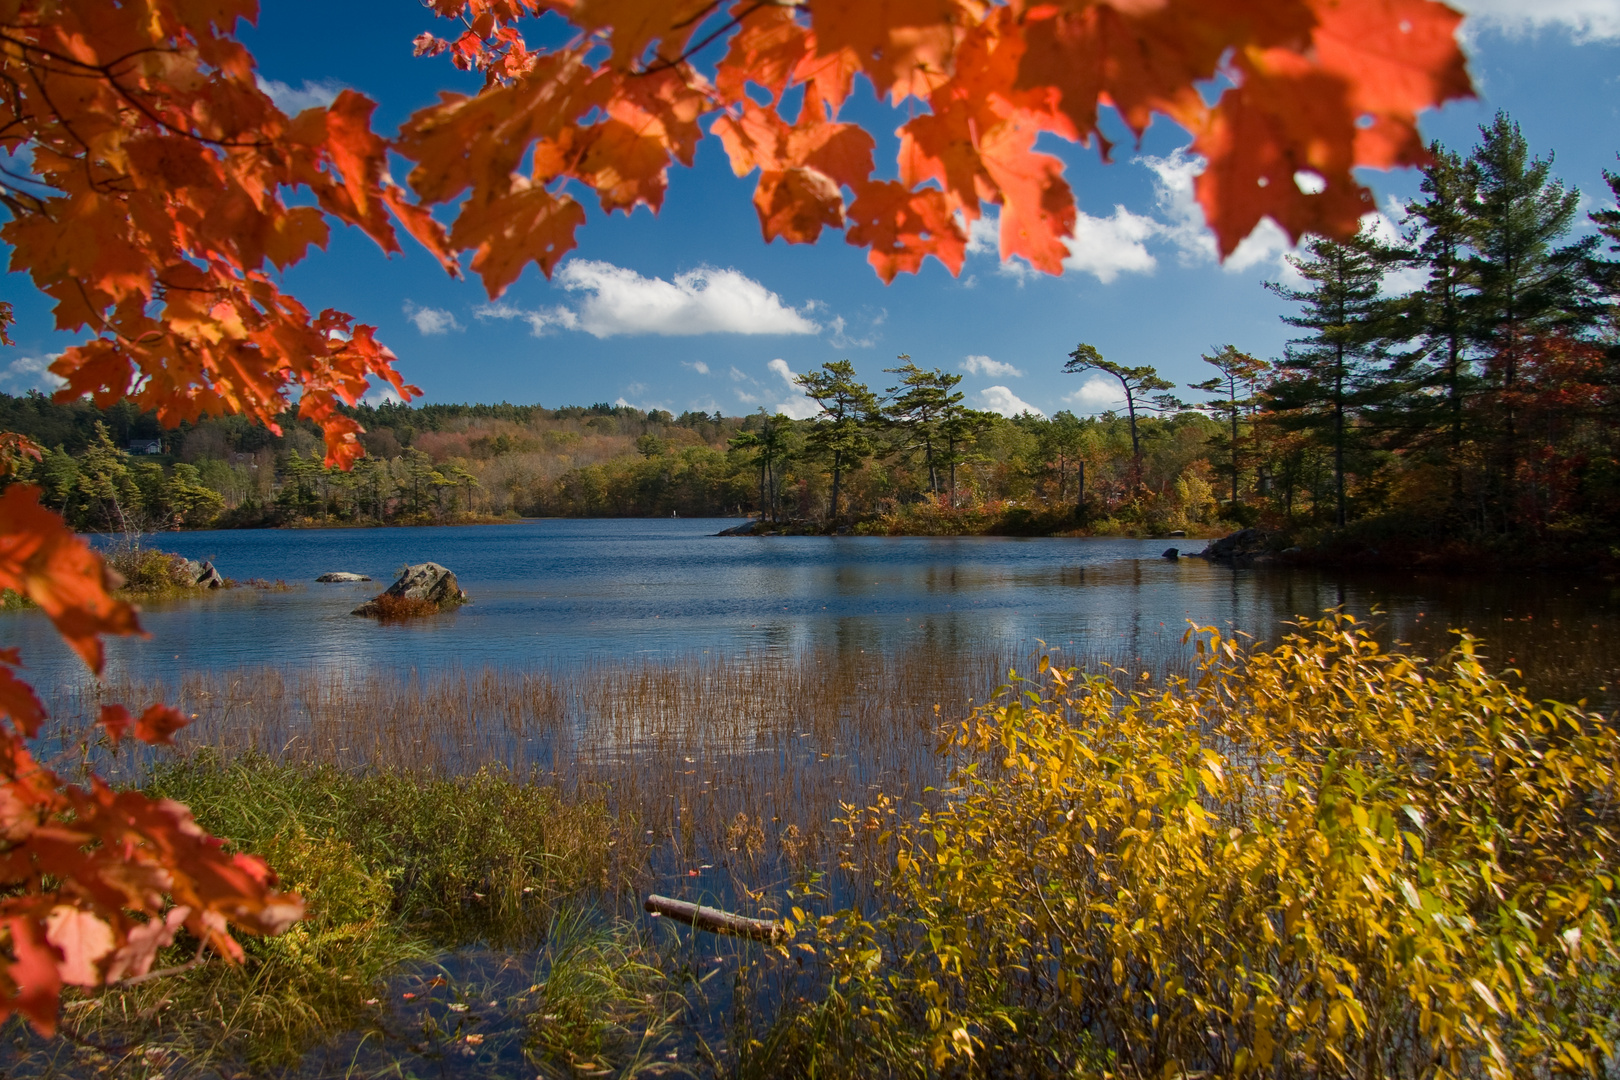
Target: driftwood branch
(714,920)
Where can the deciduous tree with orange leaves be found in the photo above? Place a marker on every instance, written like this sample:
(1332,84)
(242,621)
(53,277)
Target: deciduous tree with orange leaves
(154,192)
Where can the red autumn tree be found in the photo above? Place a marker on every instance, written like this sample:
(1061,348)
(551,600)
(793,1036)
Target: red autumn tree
(148,189)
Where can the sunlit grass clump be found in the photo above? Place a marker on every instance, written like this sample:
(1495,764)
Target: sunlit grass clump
(1319,860)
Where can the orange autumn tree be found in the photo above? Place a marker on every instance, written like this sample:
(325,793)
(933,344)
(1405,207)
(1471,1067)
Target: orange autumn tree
(154,193)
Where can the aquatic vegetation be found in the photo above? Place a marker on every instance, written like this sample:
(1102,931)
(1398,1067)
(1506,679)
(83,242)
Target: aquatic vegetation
(1322,858)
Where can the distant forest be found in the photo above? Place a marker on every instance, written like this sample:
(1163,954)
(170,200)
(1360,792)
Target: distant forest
(446,463)
(1474,411)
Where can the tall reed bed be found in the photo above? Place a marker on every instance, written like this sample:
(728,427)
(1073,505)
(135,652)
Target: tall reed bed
(730,765)
(474,846)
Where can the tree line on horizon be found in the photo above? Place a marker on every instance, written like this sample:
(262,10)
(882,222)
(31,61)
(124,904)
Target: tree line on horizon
(1478,407)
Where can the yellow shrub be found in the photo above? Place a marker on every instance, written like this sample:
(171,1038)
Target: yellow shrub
(1319,860)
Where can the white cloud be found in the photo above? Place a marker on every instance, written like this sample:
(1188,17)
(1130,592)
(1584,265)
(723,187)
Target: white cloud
(983,365)
(799,407)
(431,320)
(294,100)
(984,238)
(32,373)
(1110,246)
(696,365)
(999,399)
(984,235)
(540,320)
(383,395)
(737,375)
(1585,20)
(1104,247)
(1097,394)
(702,301)
(1183,219)
(842,339)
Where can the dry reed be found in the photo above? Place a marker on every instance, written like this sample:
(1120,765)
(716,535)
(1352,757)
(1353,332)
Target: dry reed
(728,768)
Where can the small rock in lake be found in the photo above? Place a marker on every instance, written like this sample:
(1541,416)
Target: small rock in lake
(340,576)
(1171,553)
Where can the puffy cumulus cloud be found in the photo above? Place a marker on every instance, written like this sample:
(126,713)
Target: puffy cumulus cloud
(799,407)
(383,395)
(541,320)
(983,365)
(294,100)
(1103,247)
(702,301)
(999,399)
(431,320)
(1182,219)
(1585,20)
(32,373)
(1108,247)
(1097,394)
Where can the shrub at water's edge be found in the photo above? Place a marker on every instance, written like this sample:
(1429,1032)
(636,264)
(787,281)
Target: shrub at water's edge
(1323,858)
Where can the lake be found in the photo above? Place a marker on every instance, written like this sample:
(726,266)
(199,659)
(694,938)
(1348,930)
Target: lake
(550,593)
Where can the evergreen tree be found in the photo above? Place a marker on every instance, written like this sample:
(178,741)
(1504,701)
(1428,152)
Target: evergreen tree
(841,433)
(1236,393)
(1334,374)
(1144,390)
(1528,286)
(1435,318)
(769,444)
(917,407)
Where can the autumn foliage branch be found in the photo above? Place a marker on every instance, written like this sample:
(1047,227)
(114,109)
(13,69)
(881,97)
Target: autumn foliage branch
(155,194)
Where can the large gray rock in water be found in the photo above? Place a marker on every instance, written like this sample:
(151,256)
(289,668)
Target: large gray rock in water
(431,586)
(203,575)
(339,576)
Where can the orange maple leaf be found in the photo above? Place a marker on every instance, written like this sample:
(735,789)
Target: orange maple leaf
(44,561)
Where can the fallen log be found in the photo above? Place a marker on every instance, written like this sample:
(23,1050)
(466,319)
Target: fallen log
(713,920)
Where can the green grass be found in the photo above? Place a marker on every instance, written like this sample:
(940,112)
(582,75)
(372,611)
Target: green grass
(397,869)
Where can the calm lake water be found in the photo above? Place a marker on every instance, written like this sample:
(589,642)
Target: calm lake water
(555,592)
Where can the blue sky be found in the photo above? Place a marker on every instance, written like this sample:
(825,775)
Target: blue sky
(617,321)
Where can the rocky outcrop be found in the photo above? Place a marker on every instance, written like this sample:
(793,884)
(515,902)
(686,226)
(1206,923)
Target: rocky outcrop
(422,589)
(1171,553)
(1242,548)
(339,576)
(203,575)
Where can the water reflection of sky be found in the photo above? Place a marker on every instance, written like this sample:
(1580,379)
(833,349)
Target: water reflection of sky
(549,592)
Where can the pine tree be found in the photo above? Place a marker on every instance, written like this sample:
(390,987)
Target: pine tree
(1236,388)
(917,408)
(1144,389)
(842,432)
(1435,318)
(1332,376)
(1528,286)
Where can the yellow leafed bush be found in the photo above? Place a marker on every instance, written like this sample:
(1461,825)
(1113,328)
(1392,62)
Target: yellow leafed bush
(1324,859)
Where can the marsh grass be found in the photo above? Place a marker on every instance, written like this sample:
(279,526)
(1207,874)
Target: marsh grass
(480,841)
